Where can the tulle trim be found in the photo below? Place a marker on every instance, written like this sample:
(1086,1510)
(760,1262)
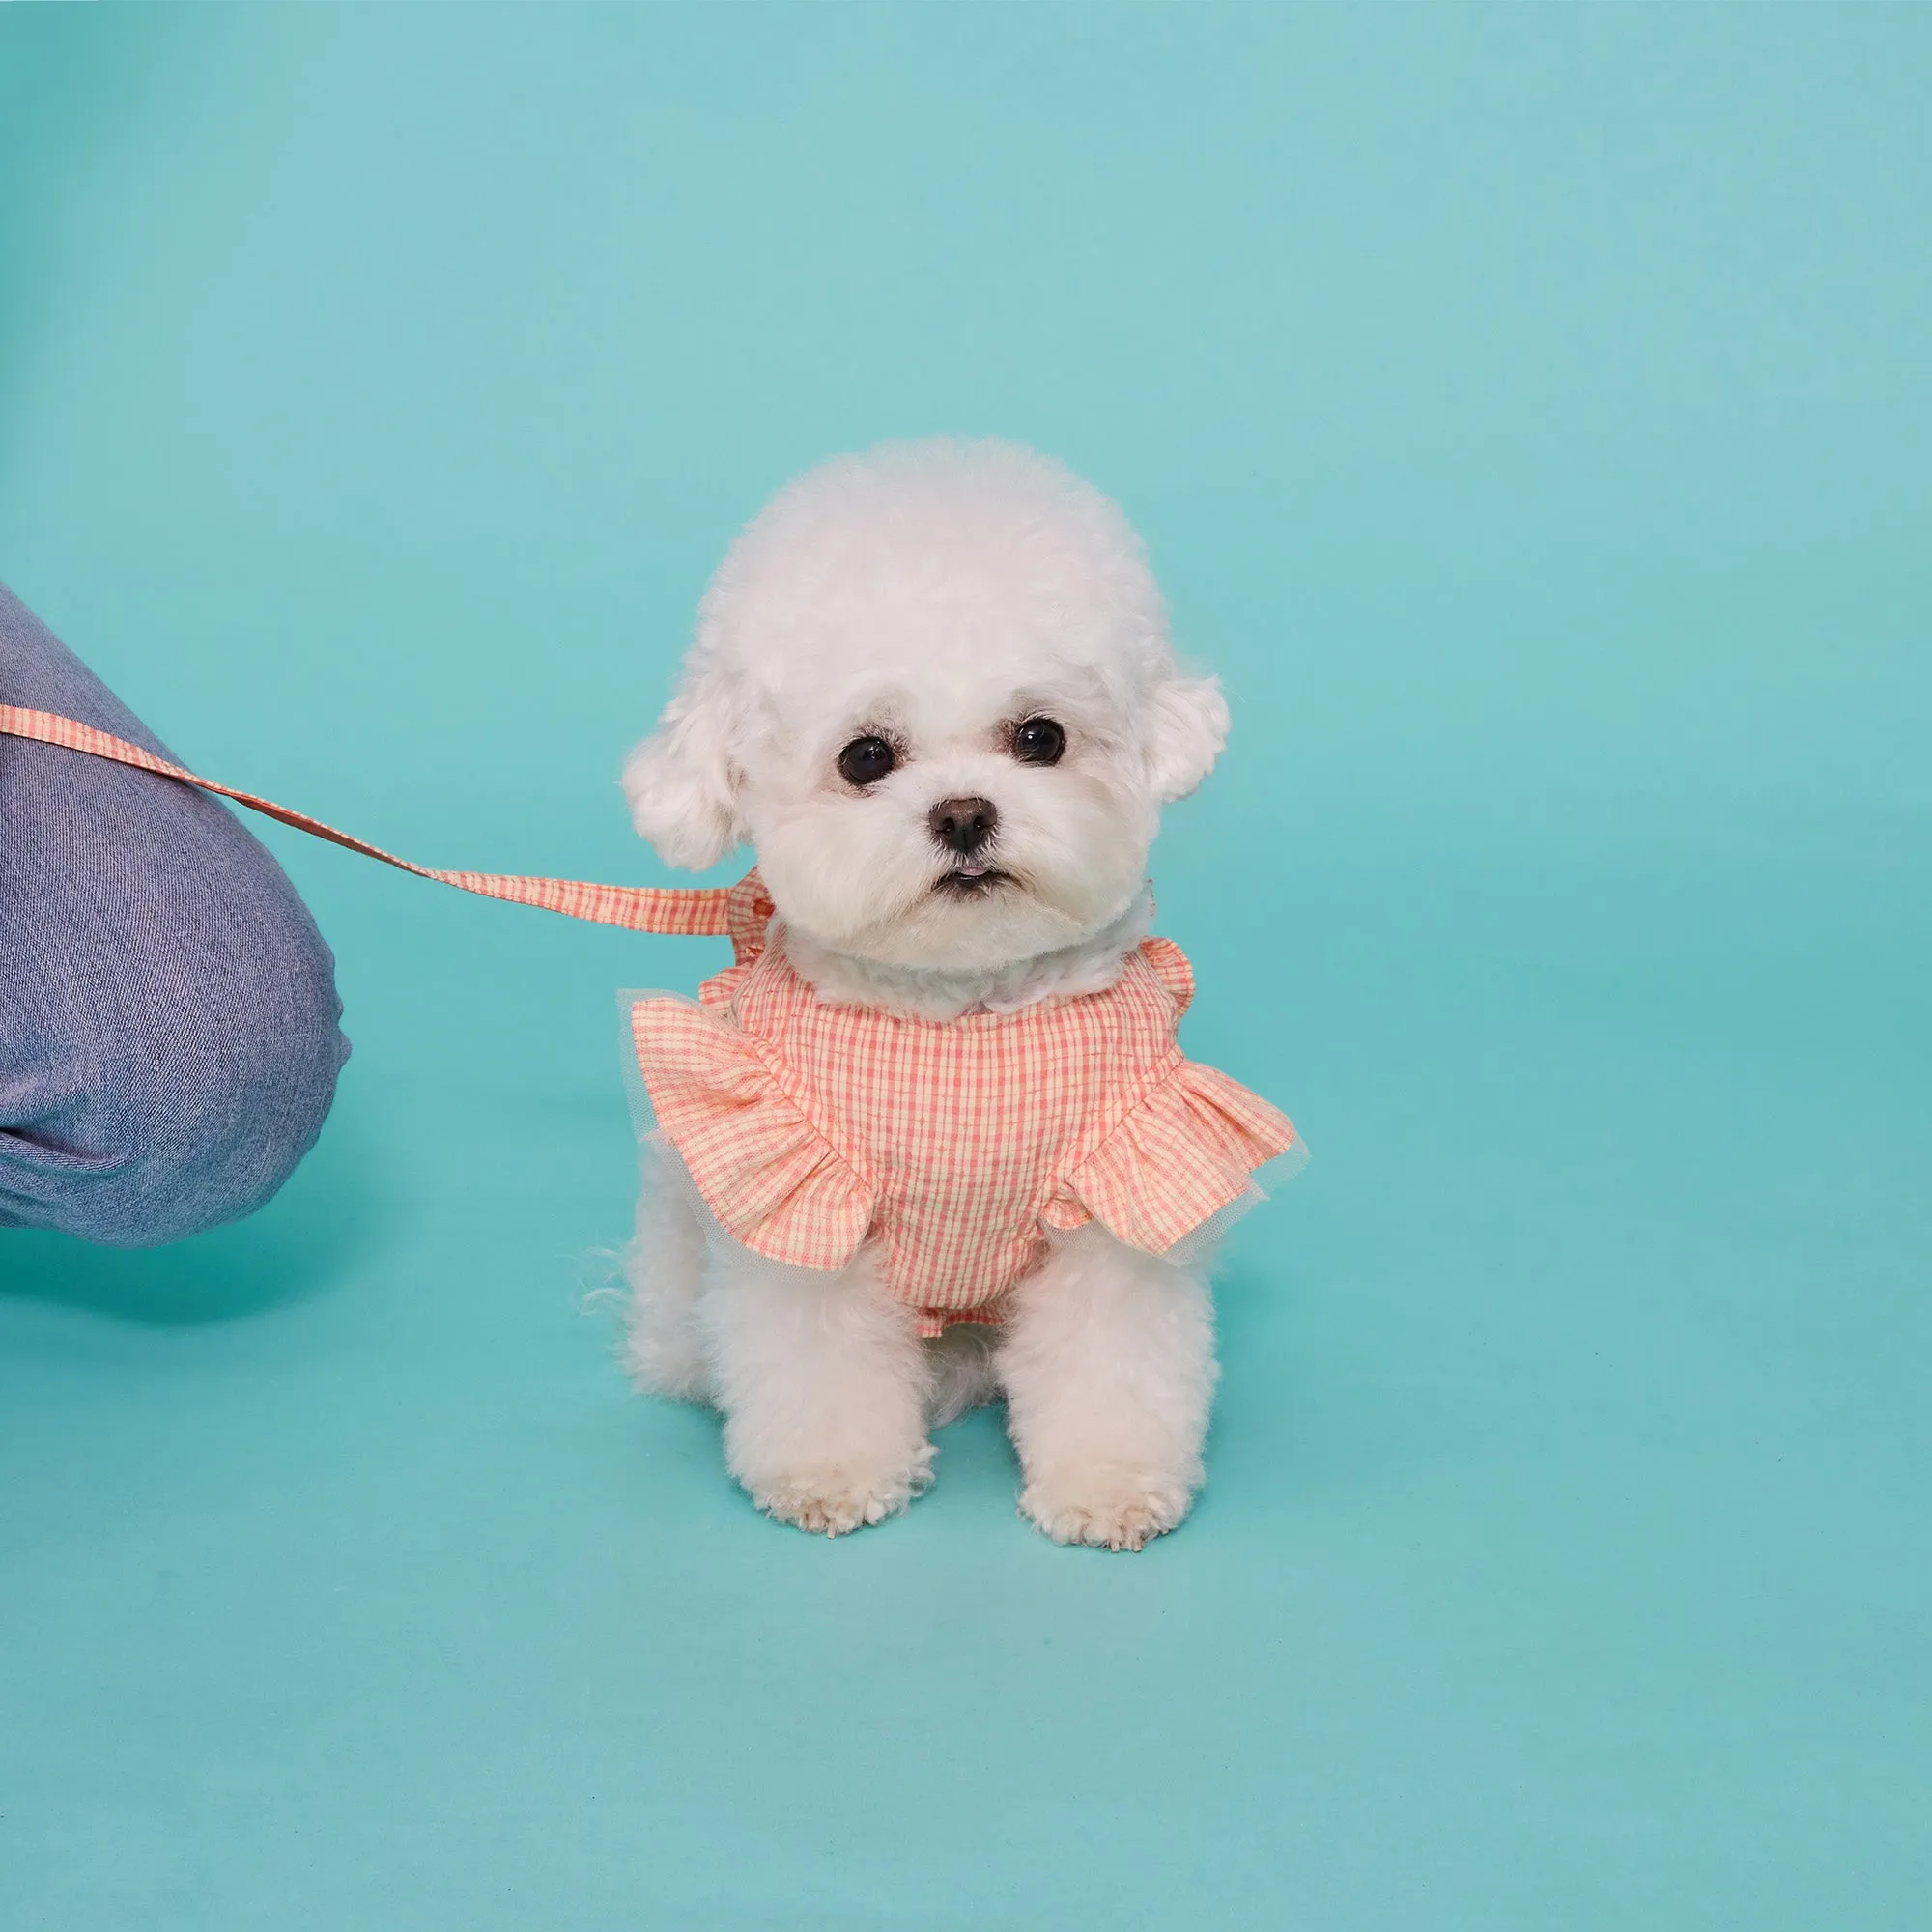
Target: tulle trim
(1181,1158)
(1194,1247)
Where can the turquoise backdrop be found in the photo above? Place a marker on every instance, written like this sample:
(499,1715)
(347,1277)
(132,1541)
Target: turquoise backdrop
(1530,413)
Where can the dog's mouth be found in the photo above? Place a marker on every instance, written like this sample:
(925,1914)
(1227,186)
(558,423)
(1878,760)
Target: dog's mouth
(972,882)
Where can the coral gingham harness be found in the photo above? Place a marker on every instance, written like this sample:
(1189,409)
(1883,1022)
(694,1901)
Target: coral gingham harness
(809,1129)
(959,1147)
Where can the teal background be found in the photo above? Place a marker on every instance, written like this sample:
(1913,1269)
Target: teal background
(1528,411)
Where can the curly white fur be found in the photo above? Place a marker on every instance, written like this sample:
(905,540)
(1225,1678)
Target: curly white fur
(935,596)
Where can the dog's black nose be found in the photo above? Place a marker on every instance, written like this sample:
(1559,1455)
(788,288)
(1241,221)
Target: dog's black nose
(963,825)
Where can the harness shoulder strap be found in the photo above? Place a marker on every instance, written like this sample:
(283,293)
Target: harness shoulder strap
(684,910)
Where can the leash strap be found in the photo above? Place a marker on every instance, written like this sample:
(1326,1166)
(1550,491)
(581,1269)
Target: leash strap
(689,911)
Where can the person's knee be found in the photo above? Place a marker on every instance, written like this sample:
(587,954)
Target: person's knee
(190,1111)
(168,1037)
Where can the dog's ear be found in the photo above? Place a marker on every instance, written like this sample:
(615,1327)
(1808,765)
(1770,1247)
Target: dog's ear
(1187,725)
(680,781)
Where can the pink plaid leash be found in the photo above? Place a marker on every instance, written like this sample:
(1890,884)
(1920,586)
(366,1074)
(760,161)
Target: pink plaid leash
(685,910)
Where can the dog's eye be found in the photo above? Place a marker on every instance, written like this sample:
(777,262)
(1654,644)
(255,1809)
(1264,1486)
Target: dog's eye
(1039,741)
(866,760)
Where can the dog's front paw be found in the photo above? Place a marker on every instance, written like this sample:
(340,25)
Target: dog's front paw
(831,1501)
(1110,1509)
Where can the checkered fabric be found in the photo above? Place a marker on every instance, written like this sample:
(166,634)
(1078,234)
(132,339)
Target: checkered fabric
(668,909)
(809,1128)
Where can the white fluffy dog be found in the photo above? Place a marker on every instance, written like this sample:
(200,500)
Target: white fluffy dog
(932,689)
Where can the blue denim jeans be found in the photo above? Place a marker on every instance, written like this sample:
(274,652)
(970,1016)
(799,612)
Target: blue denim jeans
(168,1018)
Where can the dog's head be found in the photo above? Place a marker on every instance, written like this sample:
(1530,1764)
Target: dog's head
(932,689)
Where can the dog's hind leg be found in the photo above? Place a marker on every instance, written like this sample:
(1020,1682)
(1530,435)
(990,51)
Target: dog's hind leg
(964,1366)
(664,1349)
